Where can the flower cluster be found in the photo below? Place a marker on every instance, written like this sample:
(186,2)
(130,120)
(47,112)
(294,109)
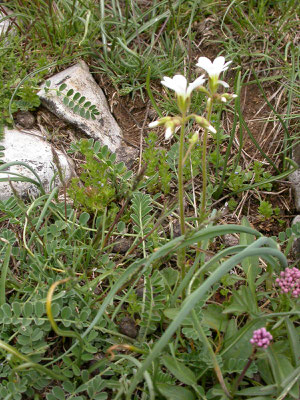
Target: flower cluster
(289,281)
(184,90)
(261,338)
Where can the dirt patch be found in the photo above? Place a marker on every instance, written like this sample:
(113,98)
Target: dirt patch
(131,113)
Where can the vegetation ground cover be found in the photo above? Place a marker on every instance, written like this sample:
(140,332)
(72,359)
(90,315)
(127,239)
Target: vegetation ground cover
(93,301)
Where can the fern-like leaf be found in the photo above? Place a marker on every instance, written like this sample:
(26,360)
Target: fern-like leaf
(154,303)
(141,207)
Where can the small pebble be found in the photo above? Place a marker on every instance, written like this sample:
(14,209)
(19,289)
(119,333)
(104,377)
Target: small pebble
(230,240)
(25,118)
(127,327)
(122,246)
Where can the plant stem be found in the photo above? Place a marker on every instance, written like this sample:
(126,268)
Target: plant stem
(205,341)
(181,253)
(204,169)
(241,377)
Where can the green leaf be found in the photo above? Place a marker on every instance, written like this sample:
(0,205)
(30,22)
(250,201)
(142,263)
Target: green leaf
(171,313)
(37,335)
(121,226)
(250,265)
(294,340)
(179,370)
(62,87)
(51,397)
(66,101)
(81,100)
(241,301)
(170,276)
(70,92)
(58,392)
(4,272)
(69,387)
(6,310)
(214,317)
(281,236)
(48,83)
(16,307)
(258,391)
(66,312)
(174,392)
(87,104)
(28,310)
(76,96)
(55,309)
(281,368)
(84,218)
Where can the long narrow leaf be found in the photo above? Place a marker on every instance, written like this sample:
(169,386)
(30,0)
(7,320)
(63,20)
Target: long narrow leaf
(194,298)
(4,274)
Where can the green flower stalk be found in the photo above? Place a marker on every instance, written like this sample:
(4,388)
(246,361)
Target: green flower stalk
(213,69)
(183,91)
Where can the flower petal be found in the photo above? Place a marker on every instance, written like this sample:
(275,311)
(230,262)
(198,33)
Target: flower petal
(153,124)
(204,63)
(168,82)
(211,129)
(197,82)
(168,133)
(181,83)
(178,83)
(225,67)
(225,84)
(218,63)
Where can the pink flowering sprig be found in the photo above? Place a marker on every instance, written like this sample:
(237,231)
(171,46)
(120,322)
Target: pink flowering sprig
(289,281)
(261,338)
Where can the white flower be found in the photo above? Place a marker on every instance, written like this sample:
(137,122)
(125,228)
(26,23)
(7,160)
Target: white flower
(214,68)
(168,133)
(179,84)
(211,129)
(153,124)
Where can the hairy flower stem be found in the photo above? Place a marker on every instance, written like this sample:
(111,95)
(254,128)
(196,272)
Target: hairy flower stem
(241,377)
(181,253)
(204,167)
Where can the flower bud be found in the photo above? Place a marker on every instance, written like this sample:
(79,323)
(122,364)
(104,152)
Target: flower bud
(194,139)
(204,123)
(159,122)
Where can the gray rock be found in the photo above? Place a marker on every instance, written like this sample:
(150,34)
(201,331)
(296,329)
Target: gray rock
(5,24)
(25,119)
(34,151)
(104,128)
(230,240)
(128,327)
(128,155)
(122,246)
(294,178)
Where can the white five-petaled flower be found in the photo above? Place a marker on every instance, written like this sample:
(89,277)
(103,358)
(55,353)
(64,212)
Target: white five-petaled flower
(179,84)
(215,68)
